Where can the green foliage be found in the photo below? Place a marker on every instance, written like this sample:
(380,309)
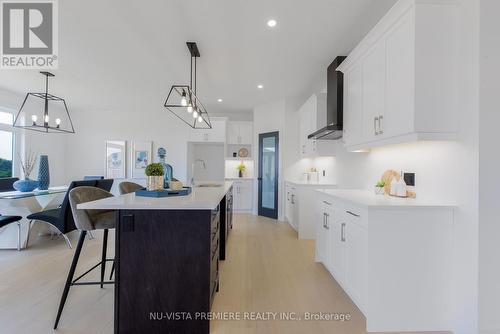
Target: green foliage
(155,169)
(5,168)
(241,167)
(380,184)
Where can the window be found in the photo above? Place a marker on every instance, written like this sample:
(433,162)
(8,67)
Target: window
(6,144)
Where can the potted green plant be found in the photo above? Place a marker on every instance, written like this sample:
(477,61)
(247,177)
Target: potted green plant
(241,169)
(379,188)
(155,173)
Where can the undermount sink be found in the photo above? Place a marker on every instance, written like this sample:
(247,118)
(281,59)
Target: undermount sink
(209,185)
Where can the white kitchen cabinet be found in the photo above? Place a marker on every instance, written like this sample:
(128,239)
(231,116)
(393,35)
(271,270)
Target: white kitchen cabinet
(291,206)
(312,116)
(393,257)
(217,134)
(398,90)
(240,133)
(300,207)
(243,195)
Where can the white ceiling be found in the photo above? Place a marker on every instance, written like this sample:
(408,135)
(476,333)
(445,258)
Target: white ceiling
(125,55)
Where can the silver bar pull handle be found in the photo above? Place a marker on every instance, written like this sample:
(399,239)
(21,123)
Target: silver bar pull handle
(327,203)
(380,125)
(375,120)
(324,220)
(353,214)
(342,232)
(327,218)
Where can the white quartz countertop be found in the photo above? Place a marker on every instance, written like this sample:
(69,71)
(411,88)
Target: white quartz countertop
(369,199)
(201,198)
(311,183)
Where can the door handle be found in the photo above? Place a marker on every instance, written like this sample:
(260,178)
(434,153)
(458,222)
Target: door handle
(353,214)
(259,179)
(327,203)
(380,131)
(375,120)
(342,232)
(327,223)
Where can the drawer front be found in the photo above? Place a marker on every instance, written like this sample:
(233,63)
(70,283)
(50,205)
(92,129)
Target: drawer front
(215,225)
(355,215)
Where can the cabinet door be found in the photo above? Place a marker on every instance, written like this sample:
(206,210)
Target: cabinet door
(218,131)
(232,133)
(322,236)
(399,117)
(245,133)
(295,209)
(356,240)
(373,92)
(236,196)
(246,195)
(353,106)
(337,259)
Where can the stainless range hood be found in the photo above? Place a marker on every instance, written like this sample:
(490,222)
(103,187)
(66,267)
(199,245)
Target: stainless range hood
(334,105)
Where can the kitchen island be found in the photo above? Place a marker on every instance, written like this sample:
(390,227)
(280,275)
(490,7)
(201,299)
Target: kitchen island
(167,258)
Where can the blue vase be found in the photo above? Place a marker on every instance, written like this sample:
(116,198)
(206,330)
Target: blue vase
(43,173)
(25,185)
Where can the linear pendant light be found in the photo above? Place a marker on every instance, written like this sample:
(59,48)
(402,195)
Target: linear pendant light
(182,100)
(34,112)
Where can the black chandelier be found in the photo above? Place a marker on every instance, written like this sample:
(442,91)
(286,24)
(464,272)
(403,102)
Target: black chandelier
(34,112)
(182,100)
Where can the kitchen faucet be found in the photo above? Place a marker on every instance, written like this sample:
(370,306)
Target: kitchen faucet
(192,169)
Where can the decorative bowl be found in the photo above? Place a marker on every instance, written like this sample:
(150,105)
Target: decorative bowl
(25,185)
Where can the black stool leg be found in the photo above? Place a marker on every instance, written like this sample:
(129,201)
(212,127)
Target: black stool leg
(112,270)
(70,276)
(103,260)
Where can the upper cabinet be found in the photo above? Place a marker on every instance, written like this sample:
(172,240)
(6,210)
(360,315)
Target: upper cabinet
(400,82)
(312,116)
(240,133)
(217,134)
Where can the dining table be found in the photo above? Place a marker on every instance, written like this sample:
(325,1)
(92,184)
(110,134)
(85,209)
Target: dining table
(23,204)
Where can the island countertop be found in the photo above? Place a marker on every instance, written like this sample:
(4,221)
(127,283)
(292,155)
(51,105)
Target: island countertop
(369,199)
(201,198)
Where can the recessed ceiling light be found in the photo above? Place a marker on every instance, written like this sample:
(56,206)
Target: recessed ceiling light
(219,100)
(260,86)
(271,23)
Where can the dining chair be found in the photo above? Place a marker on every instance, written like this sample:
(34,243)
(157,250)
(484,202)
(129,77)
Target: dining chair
(62,218)
(7,183)
(86,221)
(6,220)
(93,177)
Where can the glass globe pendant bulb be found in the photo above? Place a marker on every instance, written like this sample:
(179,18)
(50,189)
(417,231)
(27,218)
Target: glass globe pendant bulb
(58,122)
(183,99)
(46,118)
(34,119)
(200,119)
(195,114)
(189,109)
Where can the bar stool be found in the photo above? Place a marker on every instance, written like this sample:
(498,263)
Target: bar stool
(128,187)
(86,221)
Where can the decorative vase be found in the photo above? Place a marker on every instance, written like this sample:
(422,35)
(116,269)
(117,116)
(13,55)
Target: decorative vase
(25,185)
(379,190)
(43,173)
(155,183)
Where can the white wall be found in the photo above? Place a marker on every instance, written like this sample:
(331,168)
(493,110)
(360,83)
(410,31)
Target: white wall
(489,160)
(86,149)
(213,156)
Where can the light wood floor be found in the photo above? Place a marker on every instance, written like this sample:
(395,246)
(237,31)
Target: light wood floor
(267,270)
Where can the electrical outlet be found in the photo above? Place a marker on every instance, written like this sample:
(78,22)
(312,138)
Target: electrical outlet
(409,179)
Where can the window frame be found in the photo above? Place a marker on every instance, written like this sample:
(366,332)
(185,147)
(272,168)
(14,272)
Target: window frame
(15,140)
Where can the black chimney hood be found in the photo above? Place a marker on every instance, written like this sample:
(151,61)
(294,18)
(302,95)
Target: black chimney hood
(334,104)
